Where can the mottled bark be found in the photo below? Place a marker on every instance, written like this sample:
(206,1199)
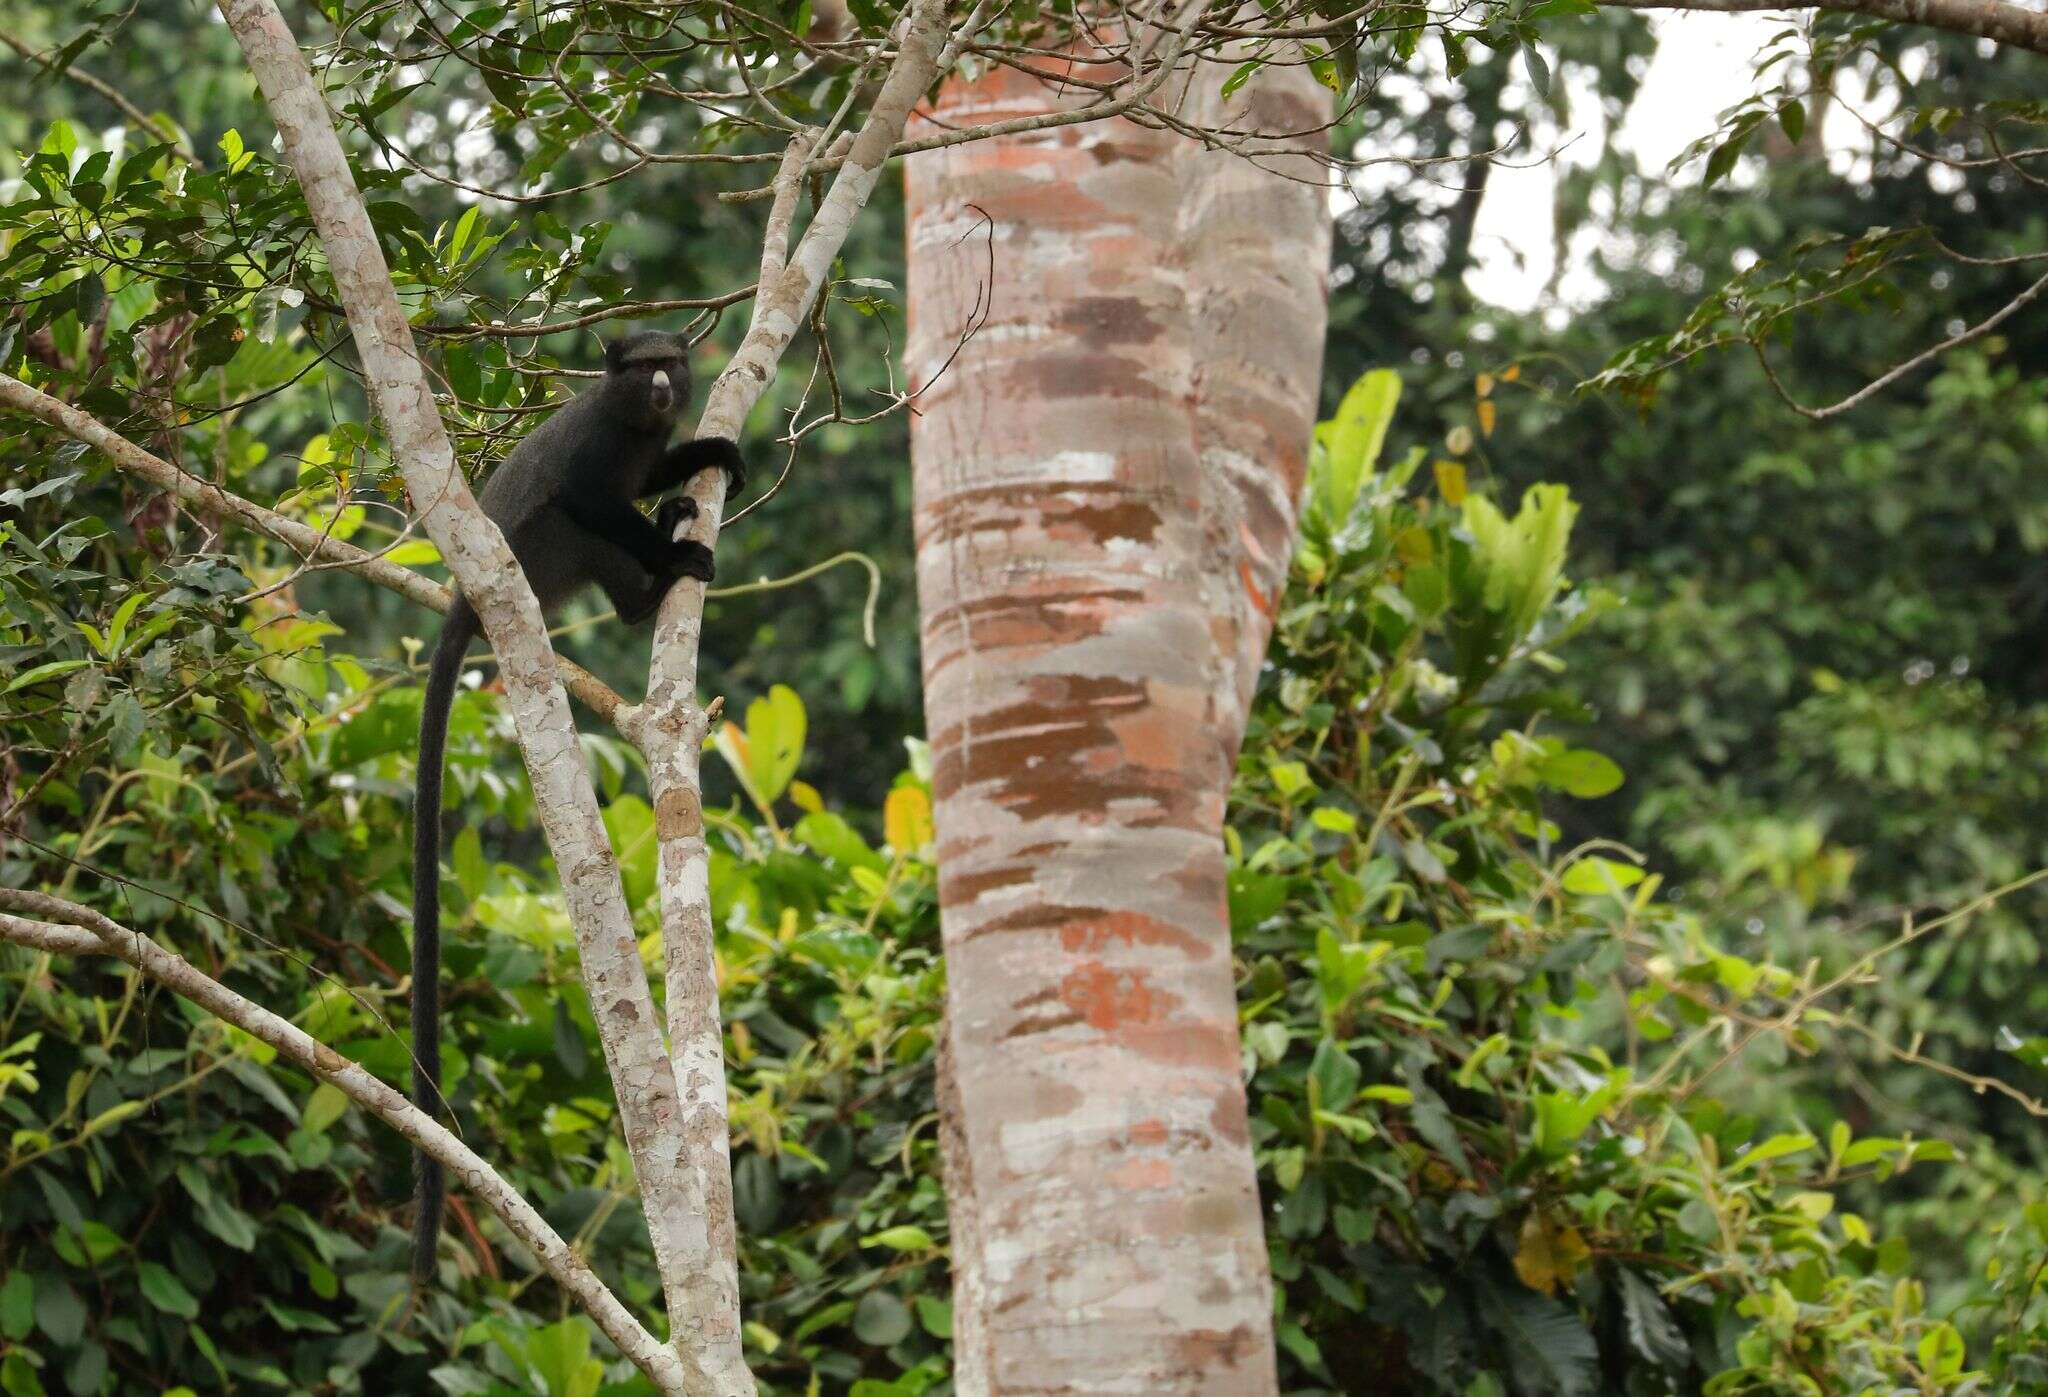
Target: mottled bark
(1107,478)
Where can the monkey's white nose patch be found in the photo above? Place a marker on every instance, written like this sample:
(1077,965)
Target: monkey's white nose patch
(661,380)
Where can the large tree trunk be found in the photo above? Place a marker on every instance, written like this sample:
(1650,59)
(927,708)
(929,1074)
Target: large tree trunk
(1106,485)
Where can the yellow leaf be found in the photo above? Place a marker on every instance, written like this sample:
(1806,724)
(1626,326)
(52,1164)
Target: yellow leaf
(1547,1258)
(1511,373)
(907,820)
(1450,482)
(731,744)
(1488,414)
(1483,384)
(804,796)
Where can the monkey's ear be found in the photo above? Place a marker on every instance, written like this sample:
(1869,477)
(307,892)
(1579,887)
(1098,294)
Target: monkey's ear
(614,354)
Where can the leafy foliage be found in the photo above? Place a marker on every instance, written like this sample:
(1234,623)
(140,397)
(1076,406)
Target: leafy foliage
(1486,1174)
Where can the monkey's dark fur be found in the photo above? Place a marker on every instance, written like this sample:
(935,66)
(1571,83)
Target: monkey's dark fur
(564,499)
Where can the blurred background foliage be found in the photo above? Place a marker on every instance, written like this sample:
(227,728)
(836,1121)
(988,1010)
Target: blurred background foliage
(1815,651)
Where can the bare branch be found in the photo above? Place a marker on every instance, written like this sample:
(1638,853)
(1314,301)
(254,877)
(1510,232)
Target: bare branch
(157,127)
(1920,360)
(2011,25)
(82,931)
(310,544)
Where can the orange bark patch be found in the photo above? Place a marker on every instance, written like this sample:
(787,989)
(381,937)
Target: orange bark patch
(1129,928)
(1142,1173)
(1111,999)
(1214,1350)
(1261,603)
(1155,738)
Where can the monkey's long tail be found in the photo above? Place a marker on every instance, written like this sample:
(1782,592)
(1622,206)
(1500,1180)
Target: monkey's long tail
(445,668)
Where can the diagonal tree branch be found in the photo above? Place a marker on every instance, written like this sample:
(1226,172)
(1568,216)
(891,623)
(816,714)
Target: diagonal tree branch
(79,930)
(309,543)
(620,999)
(2012,25)
(159,127)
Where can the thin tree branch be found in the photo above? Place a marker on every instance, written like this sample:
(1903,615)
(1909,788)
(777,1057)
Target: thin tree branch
(309,543)
(1920,360)
(83,931)
(2011,25)
(669,726)
(162,130)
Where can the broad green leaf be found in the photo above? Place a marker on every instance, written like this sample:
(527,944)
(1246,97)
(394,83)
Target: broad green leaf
(1777,1147)
(1579,772)
(1521,559)
(1351,442)
(630,822)
(881,1319)
(905,1237)
(41,672)
(166,1291)
(324,1107)
(1592,876)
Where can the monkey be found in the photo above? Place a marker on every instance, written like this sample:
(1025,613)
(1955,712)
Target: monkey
(564,499)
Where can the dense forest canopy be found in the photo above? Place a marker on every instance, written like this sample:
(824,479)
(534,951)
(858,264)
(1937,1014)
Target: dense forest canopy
(1633,852)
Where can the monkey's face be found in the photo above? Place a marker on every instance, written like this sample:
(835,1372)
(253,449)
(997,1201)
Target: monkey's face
(649,377)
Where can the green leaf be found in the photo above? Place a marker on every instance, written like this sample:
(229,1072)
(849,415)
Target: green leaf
(17,1305)
(828,834)
(905,1237)
(560,1354)
(936,1316)
(60,1314)
(1579,772)
(1351,442)
(117,629)
(881,1319)
(113,1115)
(1549,1347)
(1941,1351)
(1590,877)
(1652,1332)
(166,1291)
(630,822)
(1335,1075)
(1777,1147)
(1521,560)
(41,672)
(1792,117)
(324,1107)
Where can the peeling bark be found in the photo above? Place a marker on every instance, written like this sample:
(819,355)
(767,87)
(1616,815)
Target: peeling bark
(1107,480)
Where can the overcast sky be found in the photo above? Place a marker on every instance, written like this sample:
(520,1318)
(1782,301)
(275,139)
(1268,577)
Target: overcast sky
(1702,66)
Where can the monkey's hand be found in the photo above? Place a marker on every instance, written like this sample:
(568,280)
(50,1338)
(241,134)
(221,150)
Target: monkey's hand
(693,559)
(725,454)
(673,514)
